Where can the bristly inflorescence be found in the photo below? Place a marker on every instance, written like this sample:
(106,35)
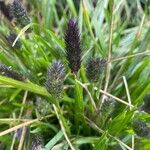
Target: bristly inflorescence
(19,13)
(94,68)
(73,49)
(9,72)
(43,107)
(141,129)
(55,79)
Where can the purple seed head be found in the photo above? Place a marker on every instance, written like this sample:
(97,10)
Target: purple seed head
(73,49)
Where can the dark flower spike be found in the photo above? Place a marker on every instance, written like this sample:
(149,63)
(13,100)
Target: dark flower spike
(5,10)
(73,49)
(37,142)
(141,129)
(55,79)
(8,72)
(94,69)
(11,38)
(19,13)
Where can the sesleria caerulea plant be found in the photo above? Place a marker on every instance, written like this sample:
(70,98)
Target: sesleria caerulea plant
(103,103)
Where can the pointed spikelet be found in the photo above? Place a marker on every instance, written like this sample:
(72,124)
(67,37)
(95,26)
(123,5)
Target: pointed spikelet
(18,12)
(141,129)
(8,72)
(94,68)
(73,49)
(55,79)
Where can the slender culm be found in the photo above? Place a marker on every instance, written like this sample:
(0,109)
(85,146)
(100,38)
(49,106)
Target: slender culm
(73,49)
(9,72)
(5,10)
(141,129)
(19,13)
(55,79)
(94,68)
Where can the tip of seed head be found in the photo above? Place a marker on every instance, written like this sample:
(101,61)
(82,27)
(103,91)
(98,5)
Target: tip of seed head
(72,22)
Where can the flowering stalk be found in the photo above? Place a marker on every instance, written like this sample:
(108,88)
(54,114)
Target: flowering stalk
(73,49)
(54,84)
(19,13)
